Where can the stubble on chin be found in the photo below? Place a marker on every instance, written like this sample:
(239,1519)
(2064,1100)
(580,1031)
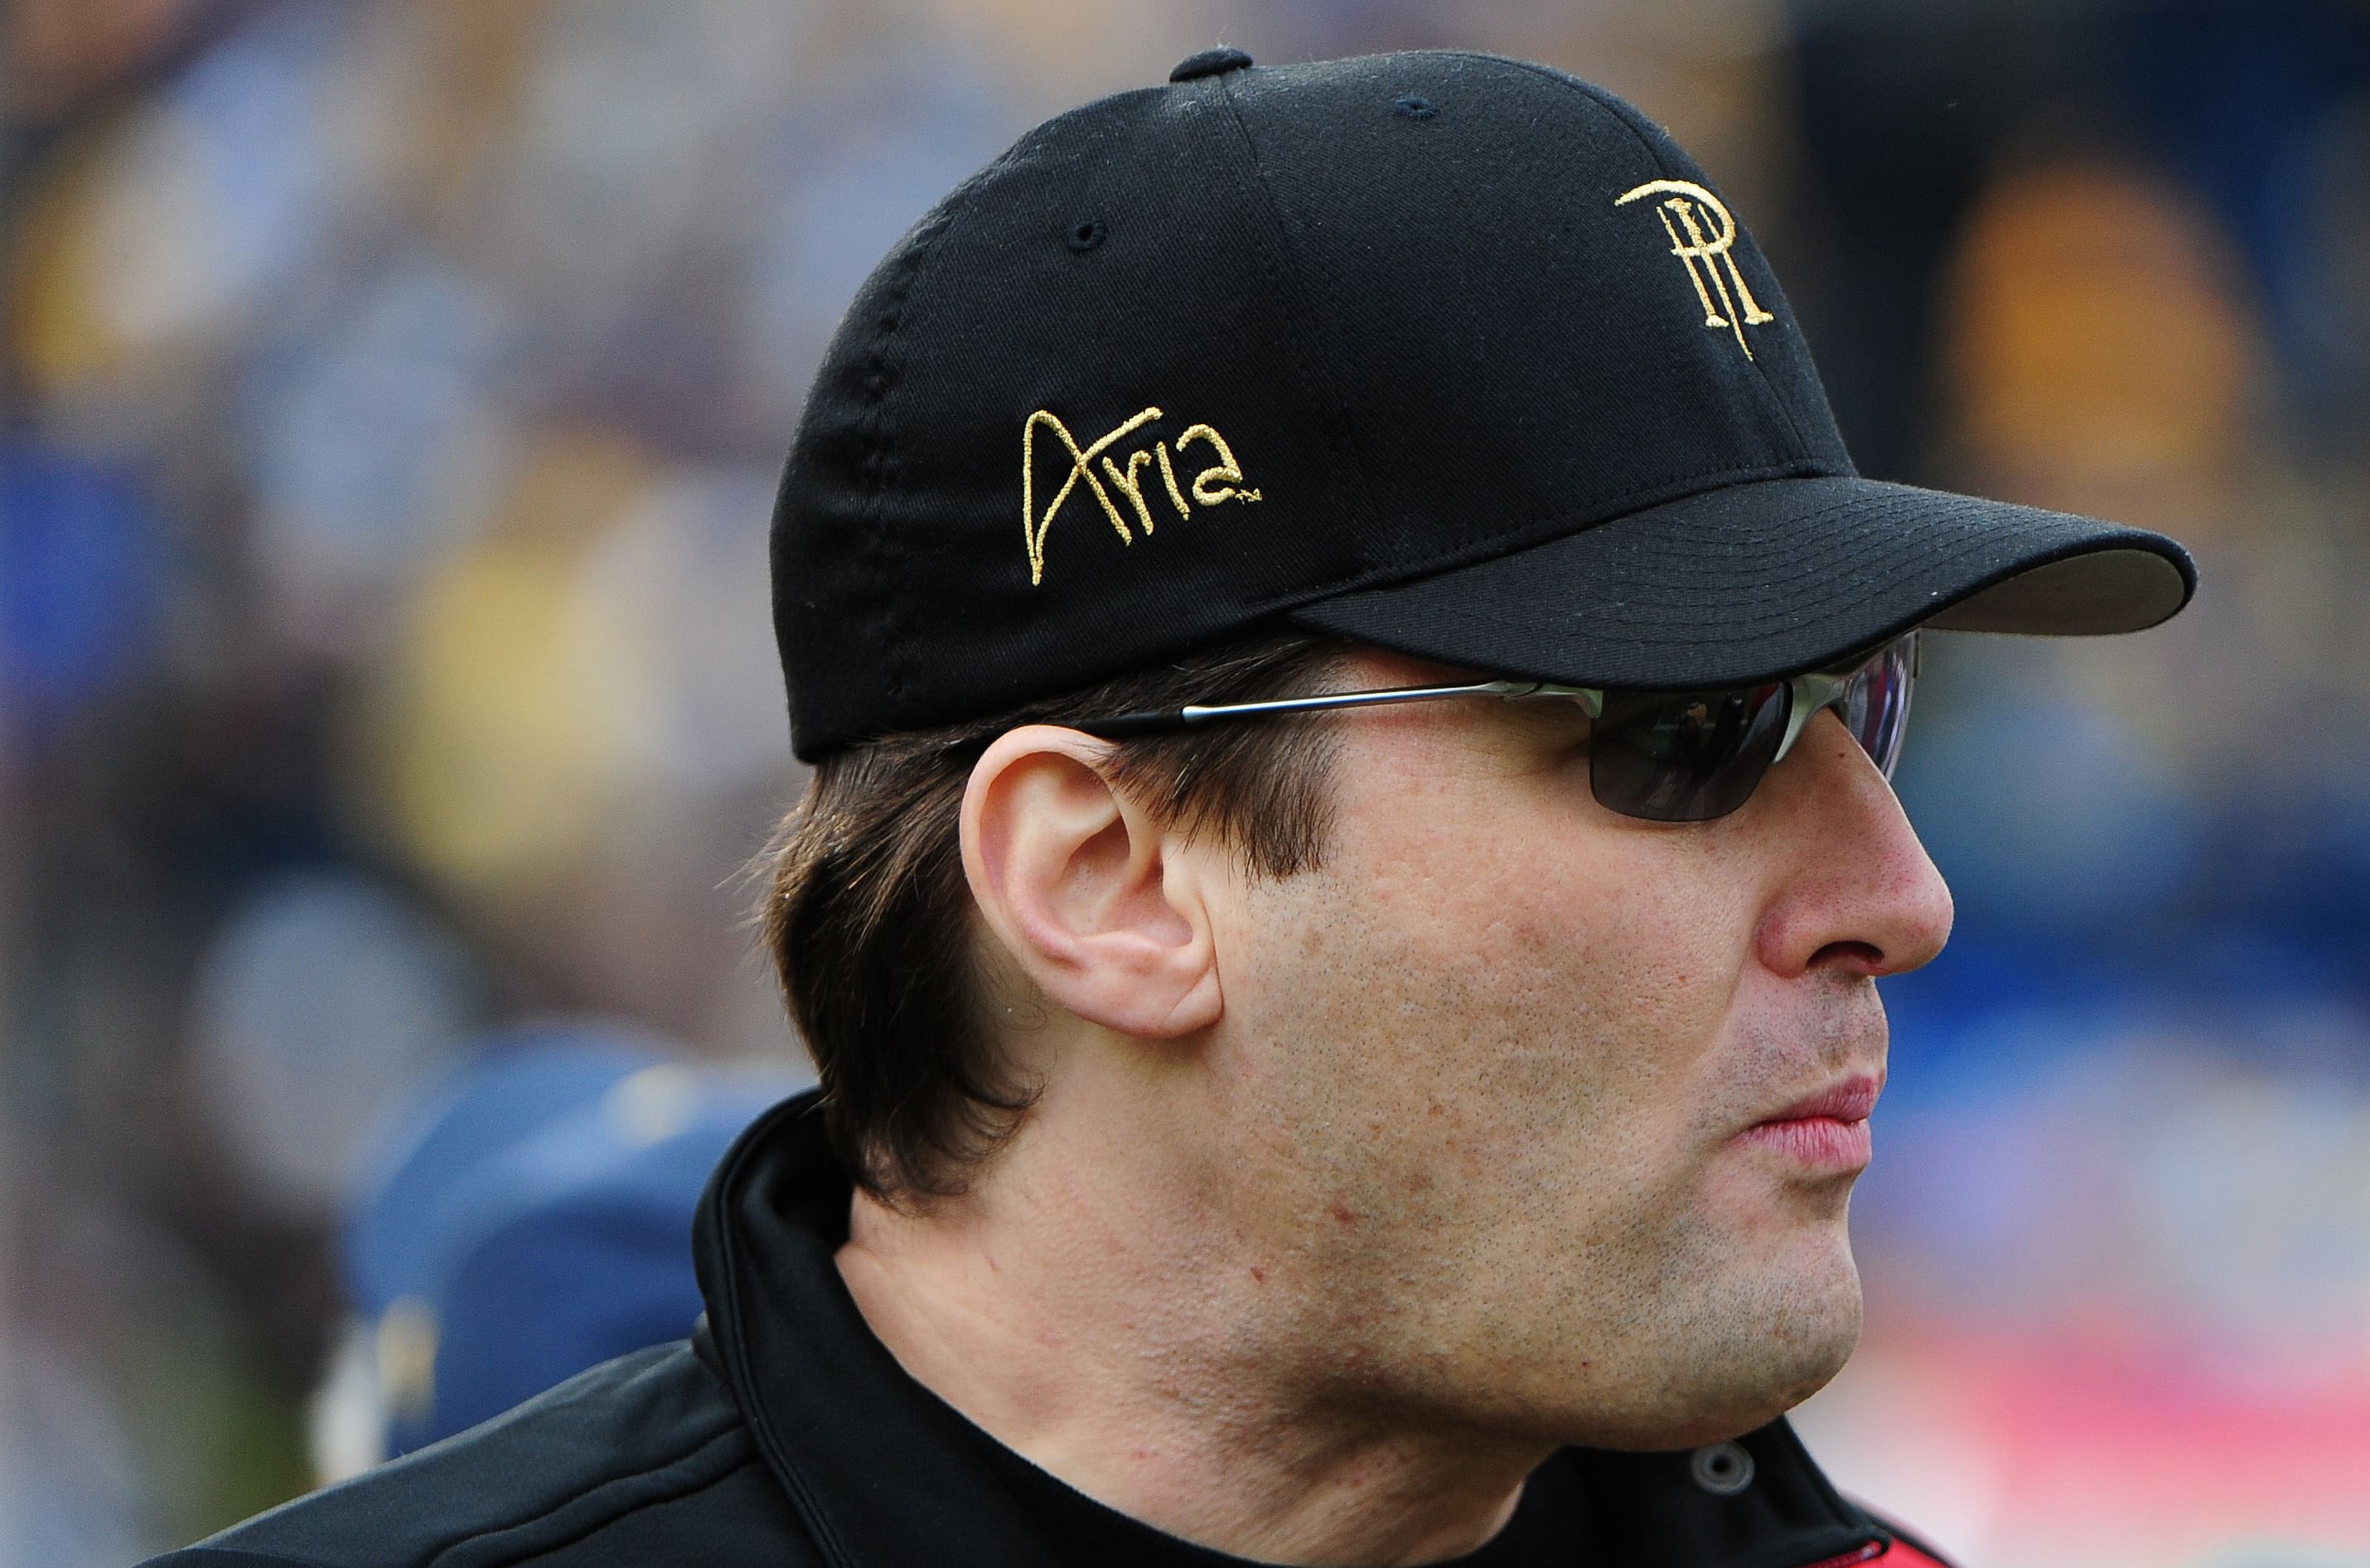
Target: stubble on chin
(1740,1341)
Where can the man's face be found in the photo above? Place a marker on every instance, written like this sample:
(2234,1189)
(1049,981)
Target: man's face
(1506,1083)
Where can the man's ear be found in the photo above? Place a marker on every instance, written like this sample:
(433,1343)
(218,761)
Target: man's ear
(1086,892)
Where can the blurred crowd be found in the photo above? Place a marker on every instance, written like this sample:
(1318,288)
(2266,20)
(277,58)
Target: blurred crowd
(394,391)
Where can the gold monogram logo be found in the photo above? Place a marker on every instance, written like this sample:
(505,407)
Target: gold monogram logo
(1220,482)
(1683,207)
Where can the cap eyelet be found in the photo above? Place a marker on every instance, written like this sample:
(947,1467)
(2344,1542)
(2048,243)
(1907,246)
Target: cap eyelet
(1721,1468)
(1085,234)
(1414,108)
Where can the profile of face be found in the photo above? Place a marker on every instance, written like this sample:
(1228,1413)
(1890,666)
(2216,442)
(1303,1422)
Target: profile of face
(1544,1119)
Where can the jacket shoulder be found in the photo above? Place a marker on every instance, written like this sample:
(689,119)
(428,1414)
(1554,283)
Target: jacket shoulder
(643,1460)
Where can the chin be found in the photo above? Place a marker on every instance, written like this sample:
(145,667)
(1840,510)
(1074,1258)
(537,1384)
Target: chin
(1739,1351)
(1783,1340)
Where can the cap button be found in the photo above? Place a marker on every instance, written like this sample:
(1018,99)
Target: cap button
(1209,63)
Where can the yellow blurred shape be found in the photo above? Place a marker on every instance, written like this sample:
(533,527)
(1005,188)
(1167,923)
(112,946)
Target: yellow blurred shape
(408,1335)
(123,253)
(2095,356)
(53,317)
(498,747)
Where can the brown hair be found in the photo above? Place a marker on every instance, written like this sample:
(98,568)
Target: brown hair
(868,914)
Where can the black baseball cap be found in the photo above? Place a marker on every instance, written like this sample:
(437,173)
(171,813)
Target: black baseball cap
(1442,352)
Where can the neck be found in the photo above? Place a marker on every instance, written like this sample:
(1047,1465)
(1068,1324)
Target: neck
(1086,1306)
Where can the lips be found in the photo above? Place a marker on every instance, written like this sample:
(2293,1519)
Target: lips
(1827,1130)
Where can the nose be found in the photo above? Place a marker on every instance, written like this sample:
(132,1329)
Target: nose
(1851,887)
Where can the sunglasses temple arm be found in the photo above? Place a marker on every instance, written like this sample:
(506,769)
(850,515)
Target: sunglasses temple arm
(1174,720)
(1134,726)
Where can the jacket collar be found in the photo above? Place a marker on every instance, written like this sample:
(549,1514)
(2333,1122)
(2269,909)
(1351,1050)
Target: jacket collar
(884,1475)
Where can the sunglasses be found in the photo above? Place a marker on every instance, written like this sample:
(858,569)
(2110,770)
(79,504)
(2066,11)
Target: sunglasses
(1661,756)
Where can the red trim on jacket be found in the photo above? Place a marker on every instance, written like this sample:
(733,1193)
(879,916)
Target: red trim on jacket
(1900,1554)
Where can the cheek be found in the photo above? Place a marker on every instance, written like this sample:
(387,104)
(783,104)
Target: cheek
(1604,957)
(1511,1019)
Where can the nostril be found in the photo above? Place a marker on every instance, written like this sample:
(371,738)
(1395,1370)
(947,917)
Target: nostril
(1857,958)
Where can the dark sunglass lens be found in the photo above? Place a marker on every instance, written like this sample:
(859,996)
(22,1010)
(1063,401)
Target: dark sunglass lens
(1685,756)
(1876,702)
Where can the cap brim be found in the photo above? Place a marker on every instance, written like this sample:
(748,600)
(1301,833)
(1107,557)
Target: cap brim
(1756,581)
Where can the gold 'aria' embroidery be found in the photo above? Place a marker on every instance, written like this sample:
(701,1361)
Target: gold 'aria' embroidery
(1081,467)
(1213,486)
(1132,487)
(1228,468)
(1168,479)
(1682,201)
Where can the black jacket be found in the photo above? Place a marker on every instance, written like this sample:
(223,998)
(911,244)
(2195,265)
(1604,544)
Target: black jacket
(784,1434)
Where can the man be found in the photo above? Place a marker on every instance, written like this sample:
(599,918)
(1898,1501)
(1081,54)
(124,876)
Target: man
(1340,953)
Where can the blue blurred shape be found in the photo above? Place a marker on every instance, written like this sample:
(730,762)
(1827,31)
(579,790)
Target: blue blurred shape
(2051,819)
(532,1218)
(260,101)
(517,1082)
(79,575)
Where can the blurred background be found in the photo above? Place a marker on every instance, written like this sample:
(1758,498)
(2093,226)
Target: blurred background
(393,391)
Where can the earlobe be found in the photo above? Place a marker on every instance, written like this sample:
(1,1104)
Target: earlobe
(1090,897)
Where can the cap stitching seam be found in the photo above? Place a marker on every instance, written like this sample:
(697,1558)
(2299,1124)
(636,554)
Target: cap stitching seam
(1293,296)
(900,664)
